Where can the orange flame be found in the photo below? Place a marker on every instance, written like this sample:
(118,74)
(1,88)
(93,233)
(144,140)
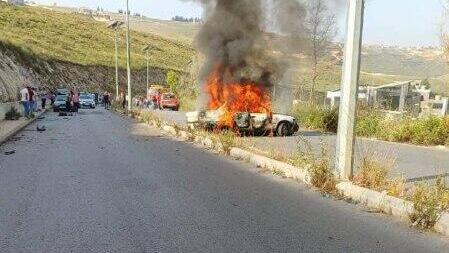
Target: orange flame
(234,97)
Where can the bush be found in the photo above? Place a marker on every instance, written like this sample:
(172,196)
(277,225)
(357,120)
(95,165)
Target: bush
(429,203)
(429,131)
(368,123)
(321,172)
(226,139)
(372,174)
(12,114)
(317,118)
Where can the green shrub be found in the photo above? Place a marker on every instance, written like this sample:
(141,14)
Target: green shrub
(368,123)
(429,131)
(315,117)
(12,114)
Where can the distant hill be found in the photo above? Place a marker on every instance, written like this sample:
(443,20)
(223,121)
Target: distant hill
(419,62)
(55,48)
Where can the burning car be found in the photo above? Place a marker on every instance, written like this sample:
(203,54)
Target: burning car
(244,122)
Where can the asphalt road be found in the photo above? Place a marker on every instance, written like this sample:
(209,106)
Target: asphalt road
(99,183)
(415,163)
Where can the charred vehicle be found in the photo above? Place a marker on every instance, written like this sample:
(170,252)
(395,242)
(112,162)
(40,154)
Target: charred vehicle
(246,123)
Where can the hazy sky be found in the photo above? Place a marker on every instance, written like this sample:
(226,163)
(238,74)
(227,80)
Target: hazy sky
(390,22)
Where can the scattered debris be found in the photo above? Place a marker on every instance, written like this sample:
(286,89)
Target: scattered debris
(40,129)
(10,152)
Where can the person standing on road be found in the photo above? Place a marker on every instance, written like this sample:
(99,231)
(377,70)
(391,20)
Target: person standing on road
(106,100)
(24,100)
(31,101)
(123,97)
(51,97)
(68,102)
(76,101)
(44,101)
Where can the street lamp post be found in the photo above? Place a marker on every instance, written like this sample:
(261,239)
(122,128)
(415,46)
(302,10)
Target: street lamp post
(148,71)
(147,49)
(349,90)
(128,56)
(116,25)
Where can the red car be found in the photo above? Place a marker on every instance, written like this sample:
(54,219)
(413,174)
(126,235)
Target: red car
(170,101)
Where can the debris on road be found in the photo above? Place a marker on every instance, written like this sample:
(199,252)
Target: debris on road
(10,152)
(40,129)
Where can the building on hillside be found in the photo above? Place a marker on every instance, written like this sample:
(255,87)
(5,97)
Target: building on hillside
(85,11)
(399,97)
(15,2)
(333,96)
(438,107)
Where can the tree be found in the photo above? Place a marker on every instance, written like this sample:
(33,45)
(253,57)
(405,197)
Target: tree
(172,78)
(425,83)
(321,30)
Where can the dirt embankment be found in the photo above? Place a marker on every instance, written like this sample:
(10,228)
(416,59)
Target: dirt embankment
(19,67)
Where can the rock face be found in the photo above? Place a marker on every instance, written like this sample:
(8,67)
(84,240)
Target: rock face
(18,68)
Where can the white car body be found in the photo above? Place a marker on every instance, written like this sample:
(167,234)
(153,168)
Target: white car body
(261,123)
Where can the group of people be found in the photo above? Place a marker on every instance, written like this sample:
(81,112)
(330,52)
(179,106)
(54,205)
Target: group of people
(29,97)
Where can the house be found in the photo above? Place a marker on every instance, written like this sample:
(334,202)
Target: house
(15,2)
(438,107)
(398,97)
(333,97)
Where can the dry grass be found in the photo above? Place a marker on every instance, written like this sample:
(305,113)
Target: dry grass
(320,168)
(374,174)
(396,187)
(226,140)
(428,202)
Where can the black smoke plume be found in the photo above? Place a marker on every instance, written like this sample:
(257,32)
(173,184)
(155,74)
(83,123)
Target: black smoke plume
(235,36)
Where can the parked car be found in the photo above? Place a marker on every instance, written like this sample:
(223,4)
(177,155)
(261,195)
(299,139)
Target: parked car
(87,101)
(59,104)
(62,92)
(170,101)
(246,123)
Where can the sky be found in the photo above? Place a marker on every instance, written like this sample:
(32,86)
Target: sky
(387,22)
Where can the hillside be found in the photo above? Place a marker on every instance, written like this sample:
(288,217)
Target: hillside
(55,48)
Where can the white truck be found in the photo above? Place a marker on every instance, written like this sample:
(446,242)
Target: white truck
(247,123)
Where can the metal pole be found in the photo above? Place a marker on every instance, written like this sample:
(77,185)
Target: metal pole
(128,54)
(148,72)
(349,90)
(116,66)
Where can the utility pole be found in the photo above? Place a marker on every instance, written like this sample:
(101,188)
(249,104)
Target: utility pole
(128,56)
(148,71)
(116,25)
(116,65)
(349,90)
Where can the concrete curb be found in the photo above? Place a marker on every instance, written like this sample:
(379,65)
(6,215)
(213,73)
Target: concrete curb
(373,199)
(19,128)
(271,164)
(442,226)
(376,200)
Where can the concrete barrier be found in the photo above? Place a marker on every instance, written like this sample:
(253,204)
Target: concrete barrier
(5,107)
